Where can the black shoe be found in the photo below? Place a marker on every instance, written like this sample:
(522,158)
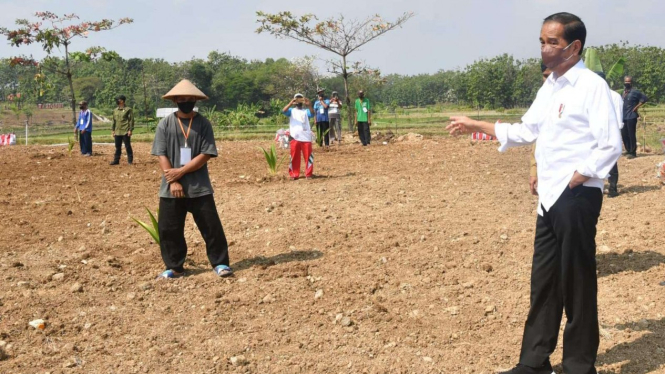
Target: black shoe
(630,156)
(613,193)
(523,369)
(114,163)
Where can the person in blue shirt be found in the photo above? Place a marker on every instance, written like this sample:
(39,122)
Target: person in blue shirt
(84,129)
(321,120)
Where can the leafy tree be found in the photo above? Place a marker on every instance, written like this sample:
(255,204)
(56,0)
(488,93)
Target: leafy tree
(61,32)
(339,36)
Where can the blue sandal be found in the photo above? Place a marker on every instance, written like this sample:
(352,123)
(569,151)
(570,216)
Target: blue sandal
(223,271)
(170,274)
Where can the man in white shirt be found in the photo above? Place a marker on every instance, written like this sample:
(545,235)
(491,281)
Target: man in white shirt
(301,135)
(578,142)
(613,178)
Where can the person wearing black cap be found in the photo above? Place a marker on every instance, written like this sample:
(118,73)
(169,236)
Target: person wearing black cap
(123,125)
(363,118)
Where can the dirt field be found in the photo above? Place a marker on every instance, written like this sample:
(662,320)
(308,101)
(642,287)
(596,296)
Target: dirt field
(412,257)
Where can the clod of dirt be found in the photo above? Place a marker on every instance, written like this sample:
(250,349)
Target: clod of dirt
(3,354)
(490,309)
(346,322)
(267,299)
(318,294)
(76,287)
(487,267)
(239,360)
(17,264)
(58,277)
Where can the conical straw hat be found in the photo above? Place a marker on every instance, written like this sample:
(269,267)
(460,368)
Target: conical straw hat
(185,88)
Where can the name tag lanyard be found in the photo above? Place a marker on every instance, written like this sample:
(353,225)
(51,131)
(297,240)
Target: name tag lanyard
(185,152)
(186,135)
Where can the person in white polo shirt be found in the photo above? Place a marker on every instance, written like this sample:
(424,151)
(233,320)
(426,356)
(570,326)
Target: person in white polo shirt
(299,110)
(578,141)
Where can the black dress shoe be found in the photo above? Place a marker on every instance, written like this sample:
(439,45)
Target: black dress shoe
(523,369)
(613,193)
(114,163)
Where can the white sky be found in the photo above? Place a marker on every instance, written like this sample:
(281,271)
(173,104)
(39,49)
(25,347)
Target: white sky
(444,34)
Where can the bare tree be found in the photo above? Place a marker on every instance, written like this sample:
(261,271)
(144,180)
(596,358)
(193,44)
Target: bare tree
(337,35)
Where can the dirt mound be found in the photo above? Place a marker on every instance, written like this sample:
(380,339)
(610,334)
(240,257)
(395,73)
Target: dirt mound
(410,138)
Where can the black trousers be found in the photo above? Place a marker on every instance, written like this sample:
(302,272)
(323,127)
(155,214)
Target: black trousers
(563,277)
(171,222)
(363,133)
(614,177)
(629,136)
(323,130)
(85,140)
(119,139)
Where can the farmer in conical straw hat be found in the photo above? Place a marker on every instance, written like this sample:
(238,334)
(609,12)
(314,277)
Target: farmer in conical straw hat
(184,142)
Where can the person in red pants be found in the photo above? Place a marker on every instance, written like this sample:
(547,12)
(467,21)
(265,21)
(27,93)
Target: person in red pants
(299,110)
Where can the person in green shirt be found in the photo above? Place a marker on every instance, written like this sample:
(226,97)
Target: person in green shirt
(123,125)
(363,118)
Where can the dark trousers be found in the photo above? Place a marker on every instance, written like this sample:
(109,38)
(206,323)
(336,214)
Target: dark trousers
(171,222)
(363,132)
(629,136)
(323,130)
(614,177)
(85,140)
(563,277)
(119,139)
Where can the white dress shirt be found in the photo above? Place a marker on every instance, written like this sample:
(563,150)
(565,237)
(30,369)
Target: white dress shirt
(574,124)
(617,100)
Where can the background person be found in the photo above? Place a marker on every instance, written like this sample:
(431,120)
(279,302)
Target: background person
(321,119)
(578,142)
(613,178)
(335,117)
(299,111)
(121,129)
(184,142)
(632,101)
(84,129)
(363,118)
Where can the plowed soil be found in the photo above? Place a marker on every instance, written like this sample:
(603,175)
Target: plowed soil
(409,257)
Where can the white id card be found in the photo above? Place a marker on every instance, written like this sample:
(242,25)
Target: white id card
(185,155)
(365,109)
(81,121)
(322,110)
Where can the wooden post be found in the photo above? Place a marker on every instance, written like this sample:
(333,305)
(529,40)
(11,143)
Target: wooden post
(644,137)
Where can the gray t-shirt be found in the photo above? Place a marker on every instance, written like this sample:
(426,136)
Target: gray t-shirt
(168,140)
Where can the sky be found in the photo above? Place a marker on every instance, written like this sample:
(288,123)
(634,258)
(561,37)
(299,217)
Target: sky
(443,34)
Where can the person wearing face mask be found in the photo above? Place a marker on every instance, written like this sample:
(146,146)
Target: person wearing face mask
(84,129)
(121,129)
(299,110)
(184,142)
(632,101)
(363,118)
(573,123)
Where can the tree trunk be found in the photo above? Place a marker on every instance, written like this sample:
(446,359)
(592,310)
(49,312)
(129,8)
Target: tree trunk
(71,86)
(349,110)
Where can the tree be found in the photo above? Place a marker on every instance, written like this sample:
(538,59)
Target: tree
(339,36)
(61,32)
